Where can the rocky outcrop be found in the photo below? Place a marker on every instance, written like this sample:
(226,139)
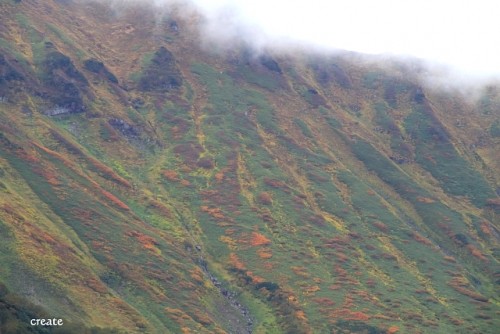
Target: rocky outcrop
(162,74)
(65,86)
(97,67)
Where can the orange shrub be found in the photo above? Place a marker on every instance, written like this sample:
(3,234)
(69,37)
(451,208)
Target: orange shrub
(171,175)
(236,262)
(28,157)
(450,259)
(300,271)
(146,241)
(255,279)
(325,302)
(197,275)
(108,172)
(311,289)
(392,330)
(460,284)
(300,315)
(274,183)
(476,252)
(425,200)
(417,237)
(161,208)
(265,198)
(259,239)
(486,229)
(264,253)
(50,176)
(185,183)
(214,212)
(115,200)
(381,226)
(494,202)
(360,316)
(219,176)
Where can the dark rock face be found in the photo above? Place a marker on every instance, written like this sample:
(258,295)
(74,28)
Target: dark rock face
(329,73)
(97,67)
(64,83)
(8,72)
(58,62)
(173,26)
(11,76)
(162,74)
(419,96)
(312,96)
(269,63)
(125,128)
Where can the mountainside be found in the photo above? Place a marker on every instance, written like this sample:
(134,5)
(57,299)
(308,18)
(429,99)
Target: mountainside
(152,184)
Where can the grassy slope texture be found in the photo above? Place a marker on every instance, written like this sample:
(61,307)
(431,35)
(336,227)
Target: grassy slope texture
(149,185)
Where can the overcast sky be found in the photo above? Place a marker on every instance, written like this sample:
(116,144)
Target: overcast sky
(464,34)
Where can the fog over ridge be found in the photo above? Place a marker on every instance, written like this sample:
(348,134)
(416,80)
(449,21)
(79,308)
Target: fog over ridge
(458,40)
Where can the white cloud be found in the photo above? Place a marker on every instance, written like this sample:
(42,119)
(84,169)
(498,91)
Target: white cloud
(463,34)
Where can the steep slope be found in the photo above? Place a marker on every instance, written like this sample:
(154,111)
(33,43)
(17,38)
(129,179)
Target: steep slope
(149,184)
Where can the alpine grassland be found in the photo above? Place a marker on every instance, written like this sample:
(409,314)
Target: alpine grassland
(151,184)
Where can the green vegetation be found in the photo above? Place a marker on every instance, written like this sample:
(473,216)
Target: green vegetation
(303,127)
(495,129)
(267,81)
(195,198)
(66,40)
(435,152)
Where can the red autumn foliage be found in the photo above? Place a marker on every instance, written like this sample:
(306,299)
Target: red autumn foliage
(476,253)
(259,239)
(185,183)
(171,175)
(392,330)
(274,183)
(197,275)
(49,175)
(57,155)
(342,257)
(108,172)
(146,241)
(214,212)
(265,198)
(115,200)
(219,176)
(300,315)
(486,229)
(97,286)
(461,285)
(346,314)
(264,253)
(325,302)
(494,202)
(236,262)
(417,237)
(381,226)
(450,259)
(28,157)
(255,278)
(202,318)
(425,200)
(300,271)
(161,208)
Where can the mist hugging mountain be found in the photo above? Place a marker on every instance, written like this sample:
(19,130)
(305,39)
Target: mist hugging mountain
(154,179)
